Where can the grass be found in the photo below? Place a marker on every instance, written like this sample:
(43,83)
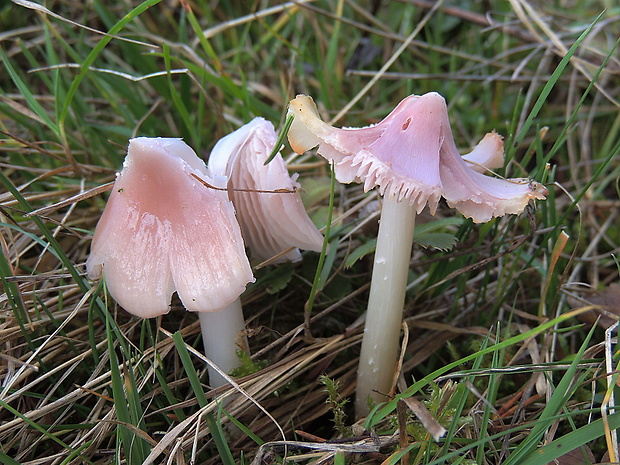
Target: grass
(503,347)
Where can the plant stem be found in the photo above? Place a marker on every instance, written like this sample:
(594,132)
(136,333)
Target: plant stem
(385,304)
(222,335)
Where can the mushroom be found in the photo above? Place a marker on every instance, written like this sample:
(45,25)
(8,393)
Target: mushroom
(161,232)
(412,158)
(273,220)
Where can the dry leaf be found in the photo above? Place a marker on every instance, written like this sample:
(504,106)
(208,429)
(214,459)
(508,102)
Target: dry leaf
(607,301)
(576,457)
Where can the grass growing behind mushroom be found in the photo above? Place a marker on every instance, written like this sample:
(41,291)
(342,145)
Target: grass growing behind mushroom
(83,382)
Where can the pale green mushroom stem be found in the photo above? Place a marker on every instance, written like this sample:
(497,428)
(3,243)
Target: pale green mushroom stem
(380,342)
(223,333)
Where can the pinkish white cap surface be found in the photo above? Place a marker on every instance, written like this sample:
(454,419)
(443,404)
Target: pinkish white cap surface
(271,223)
(411,155)
(163,231)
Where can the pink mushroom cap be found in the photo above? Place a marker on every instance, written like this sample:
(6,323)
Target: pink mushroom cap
(274,221)
(163,231)
(411,155)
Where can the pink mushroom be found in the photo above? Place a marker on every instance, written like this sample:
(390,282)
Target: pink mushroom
(273,220)
(412,158)
(162,232)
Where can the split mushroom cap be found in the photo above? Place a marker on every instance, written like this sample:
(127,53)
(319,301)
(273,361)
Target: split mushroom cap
(411,156)
(162,231)
(273,220)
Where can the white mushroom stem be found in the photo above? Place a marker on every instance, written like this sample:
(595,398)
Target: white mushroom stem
(380,342)
(222,335)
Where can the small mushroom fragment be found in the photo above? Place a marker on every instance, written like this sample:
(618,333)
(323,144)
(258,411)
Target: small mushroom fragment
(162,231)
(273,220)
(412,158)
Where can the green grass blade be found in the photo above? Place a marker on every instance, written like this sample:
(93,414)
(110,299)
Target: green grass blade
(186,360)
(570,441)
(92,56)
(562,393)
(555,76)
(319,269)
(389,407)
(561,138)
(124,392)
(31,100)
(36,426)
(219,436)
(280,141)
(6,460)
(177,100)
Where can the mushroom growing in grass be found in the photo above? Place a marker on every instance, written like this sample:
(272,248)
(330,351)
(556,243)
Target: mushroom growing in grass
(273,220)
(162,231)
(412,158)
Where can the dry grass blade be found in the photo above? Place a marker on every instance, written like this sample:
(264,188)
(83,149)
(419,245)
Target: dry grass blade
(421,412)
(40,8)
(11,381)
(72,200)
(127,76)
(525,11)
(213,31)
(387,64)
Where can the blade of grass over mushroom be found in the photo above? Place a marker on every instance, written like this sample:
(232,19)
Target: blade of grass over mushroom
(242,427)
(425,235)
(281,137)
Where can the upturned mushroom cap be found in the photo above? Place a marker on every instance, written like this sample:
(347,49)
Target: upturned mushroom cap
(162,231)
(411,155)
(487,155)
(271,223)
